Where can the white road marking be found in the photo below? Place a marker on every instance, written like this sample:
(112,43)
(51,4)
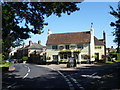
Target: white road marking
(25,76)
(25,66)
(28,69)
(27,72)
(11,85)
(94,73)
(66,79)
(75,81)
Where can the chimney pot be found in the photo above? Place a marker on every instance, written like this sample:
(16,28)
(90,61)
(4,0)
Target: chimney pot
(39,42)
(111,46)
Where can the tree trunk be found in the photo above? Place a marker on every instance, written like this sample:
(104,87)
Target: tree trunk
(118,48)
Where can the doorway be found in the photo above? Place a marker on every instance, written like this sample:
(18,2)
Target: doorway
(97,57)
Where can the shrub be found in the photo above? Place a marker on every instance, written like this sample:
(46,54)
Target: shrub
(118,56)
(48,58)
(24,58)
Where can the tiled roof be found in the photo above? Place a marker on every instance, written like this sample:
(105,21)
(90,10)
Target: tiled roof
(98,42)
(71,38)
(35,46)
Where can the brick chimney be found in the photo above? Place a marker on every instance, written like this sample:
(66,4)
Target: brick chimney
(30,43)
(39,42)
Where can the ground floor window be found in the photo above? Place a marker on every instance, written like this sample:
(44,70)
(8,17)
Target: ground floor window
(76,55)
(65,55)
(84,56)
(97,56)
(55,57)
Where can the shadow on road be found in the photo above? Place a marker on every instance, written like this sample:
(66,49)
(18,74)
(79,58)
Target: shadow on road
(49,81)
(99,77)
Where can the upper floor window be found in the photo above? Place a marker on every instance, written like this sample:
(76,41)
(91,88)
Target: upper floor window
(61,47)
(73,46)
(67,47)
(98,47)
(54,47)
(80,46)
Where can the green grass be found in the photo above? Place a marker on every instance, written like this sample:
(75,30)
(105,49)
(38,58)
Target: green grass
(6,65)
(117,60)
(109,62)
(113,62)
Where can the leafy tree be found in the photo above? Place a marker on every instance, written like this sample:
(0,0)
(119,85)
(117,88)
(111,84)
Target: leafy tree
(28,14)
(116,24)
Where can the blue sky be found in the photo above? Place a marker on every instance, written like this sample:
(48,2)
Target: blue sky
(79,21)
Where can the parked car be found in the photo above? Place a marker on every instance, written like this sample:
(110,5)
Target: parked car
(10,60)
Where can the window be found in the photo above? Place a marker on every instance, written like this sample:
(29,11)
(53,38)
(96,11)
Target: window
(84,56)
(98,47)
(67,47)
(80,46)
(65,55)
(76,55)
(54,47)
(73,46)
(61,56)
(55,57)
(61,47)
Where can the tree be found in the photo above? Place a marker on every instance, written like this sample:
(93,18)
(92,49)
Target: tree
(116,24)
(29,14)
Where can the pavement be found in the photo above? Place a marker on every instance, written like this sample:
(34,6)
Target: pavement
(11,68)
(65,68)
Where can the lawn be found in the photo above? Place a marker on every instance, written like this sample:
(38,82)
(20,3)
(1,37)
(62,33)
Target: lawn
(6,65)
(113,62)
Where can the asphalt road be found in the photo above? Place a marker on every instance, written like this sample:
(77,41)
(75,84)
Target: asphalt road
(31,76)
(103,77)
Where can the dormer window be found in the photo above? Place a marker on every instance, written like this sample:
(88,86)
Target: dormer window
(55,47)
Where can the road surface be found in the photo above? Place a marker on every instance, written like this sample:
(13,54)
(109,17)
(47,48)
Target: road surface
(32,76)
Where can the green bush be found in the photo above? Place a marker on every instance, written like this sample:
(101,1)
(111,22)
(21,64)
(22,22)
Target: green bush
(3,62)
(118,56)
(24,58)
(48,57)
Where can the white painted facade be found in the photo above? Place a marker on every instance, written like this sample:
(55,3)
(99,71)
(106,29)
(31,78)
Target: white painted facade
(88,49)
(99,49)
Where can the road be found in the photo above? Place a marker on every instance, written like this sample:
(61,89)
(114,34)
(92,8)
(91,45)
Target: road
(102,77)
(32,76)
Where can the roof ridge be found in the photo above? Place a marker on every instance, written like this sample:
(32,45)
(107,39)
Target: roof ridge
(71,32)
